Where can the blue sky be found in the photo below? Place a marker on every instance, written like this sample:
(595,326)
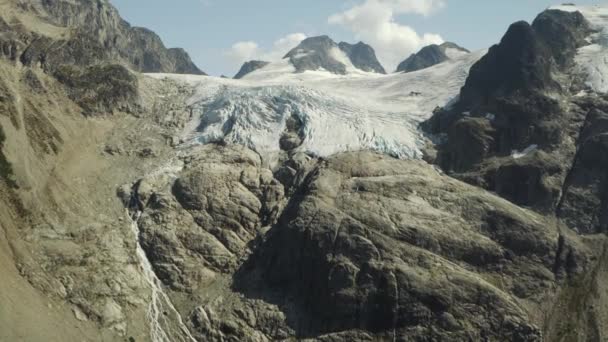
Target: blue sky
(221,34)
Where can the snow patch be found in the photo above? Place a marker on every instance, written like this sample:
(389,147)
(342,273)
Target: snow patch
(516,155)
(339,56)
(300,54)
(454,53)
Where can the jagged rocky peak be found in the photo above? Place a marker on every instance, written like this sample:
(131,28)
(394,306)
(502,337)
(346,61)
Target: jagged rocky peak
(249,67)
(85,32)
(322,52)
(431,55)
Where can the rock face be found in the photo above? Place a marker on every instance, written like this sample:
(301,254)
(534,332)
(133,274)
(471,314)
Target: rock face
(516,127)
(250,67)
(225,199)
(353,252)
(359,248)
(322,52)
(362,56)
(583,203)
(98,33)
(431,55)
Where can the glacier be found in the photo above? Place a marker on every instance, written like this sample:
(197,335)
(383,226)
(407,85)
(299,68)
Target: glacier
(338,113)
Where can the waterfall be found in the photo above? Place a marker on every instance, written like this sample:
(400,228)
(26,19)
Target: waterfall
(160,306)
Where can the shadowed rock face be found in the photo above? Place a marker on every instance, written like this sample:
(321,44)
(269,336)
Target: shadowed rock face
(362,56)
(518,97)
(584,202)
(564,33)
(250,67)
(321,52)
(428,56)
(522,62)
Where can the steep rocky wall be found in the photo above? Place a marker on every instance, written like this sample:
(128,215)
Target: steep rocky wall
(516,126)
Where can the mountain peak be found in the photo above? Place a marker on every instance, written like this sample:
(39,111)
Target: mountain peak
(323,52)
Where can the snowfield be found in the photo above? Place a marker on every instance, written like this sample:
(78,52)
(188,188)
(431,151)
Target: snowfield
(358,111)
(592,59)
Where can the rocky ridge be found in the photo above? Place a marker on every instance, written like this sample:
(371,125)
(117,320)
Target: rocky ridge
(431,55)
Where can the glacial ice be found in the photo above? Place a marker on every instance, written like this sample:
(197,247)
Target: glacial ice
(357,111)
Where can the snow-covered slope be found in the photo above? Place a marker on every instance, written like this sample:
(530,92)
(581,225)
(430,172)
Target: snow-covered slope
(593,59)
(338,113)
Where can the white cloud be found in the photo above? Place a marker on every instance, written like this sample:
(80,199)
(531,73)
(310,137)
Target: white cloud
(282,46)
(424,7)
(374,22)
(245,51)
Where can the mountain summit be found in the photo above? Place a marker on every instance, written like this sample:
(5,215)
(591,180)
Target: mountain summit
(322,52)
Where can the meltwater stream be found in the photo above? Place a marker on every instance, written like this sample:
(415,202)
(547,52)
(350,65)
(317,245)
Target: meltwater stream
(161,328)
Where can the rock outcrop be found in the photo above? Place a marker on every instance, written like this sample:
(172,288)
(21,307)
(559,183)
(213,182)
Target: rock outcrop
(431,55)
